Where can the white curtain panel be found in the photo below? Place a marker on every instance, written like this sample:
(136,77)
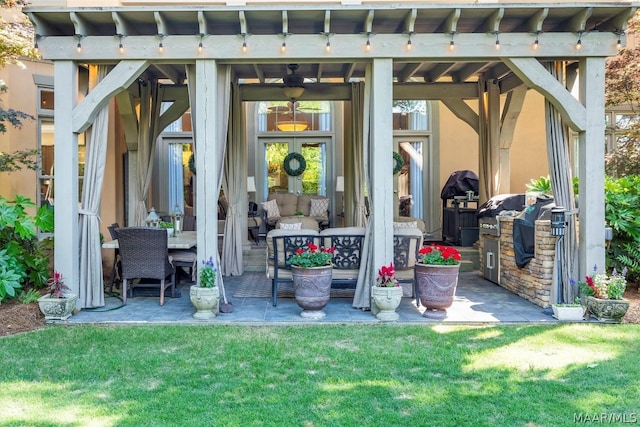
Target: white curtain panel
(234,186)
(147,136)
(362,297)
(91,287)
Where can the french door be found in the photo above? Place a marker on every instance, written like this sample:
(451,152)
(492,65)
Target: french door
(313,177)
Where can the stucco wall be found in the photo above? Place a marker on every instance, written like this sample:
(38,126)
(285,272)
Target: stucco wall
(459,144)
(22,95)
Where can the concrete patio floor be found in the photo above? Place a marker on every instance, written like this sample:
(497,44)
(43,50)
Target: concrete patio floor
(477,301)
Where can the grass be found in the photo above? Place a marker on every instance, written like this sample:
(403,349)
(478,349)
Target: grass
(349,375)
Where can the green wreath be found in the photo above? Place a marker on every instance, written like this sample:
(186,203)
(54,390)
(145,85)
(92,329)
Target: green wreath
(398,162)
(286,163)
(192,164)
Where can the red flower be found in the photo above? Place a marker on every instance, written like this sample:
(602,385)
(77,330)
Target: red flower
(313,247)
(299,251)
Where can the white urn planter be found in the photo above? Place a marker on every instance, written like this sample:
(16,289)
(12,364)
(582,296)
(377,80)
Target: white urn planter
(386,299)
(205,301)
(55,308)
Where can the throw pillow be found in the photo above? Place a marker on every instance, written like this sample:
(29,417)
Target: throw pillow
(291,226)
(319,207)
(272,208)
(405,224)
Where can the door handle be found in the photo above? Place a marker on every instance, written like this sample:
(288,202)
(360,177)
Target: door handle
(490,260)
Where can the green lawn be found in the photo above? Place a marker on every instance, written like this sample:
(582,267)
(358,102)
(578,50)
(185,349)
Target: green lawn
(353,375)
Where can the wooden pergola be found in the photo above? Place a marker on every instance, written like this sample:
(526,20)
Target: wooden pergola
(414,50)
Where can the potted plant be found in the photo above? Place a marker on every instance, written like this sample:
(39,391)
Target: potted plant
(436,275)
(205,295)
(604,295)
(570,312)
(311,271)
(167,226)
(386,294)
(57,304)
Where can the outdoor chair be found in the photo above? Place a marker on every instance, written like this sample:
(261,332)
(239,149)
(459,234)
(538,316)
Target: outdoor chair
(144,255)
(116,269)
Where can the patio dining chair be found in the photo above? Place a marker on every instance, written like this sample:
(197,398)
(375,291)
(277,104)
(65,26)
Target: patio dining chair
(116,269)
(144,255)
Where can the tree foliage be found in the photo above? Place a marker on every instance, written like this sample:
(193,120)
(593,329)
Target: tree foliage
(623,89)
(16,39)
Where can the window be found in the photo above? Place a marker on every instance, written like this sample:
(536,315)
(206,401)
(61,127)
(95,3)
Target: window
(46,148)
(281,116)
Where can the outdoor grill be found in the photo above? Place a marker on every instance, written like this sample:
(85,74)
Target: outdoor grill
(489,225)
(459,208)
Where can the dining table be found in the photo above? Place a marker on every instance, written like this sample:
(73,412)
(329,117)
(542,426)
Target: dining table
(181,240)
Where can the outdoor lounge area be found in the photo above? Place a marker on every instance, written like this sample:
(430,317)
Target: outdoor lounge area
(477,301)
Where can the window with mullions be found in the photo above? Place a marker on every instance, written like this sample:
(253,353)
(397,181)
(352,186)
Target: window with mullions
(282,116)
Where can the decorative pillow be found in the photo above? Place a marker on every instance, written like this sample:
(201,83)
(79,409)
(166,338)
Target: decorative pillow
(319,207)
(405,224)
(272,209)
(291,226)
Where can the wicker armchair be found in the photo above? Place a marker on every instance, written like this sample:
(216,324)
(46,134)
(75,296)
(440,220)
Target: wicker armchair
(144,255)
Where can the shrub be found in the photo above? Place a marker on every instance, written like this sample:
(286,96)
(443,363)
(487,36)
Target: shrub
(622,213)
(23,258)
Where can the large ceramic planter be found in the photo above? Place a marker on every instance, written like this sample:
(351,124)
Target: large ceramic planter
(386,300)
(607,310)
(57,308)
(205,301)
(568,313)
(312,289)
(436,288)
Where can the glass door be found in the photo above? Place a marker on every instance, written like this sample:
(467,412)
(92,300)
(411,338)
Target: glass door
(410,180)
(284,172)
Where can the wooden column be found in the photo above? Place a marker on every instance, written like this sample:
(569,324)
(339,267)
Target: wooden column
(591,167)
(66,234)
(206,158)
(381,164)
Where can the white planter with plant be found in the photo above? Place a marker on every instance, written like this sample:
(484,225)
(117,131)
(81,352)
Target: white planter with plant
(57,304)
(167,226)
(205,295)
(569,312)
(386,294)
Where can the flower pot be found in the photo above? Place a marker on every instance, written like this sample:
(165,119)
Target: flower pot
(205,301)
(436,286)
(312,289)
(568,313)
(57,308)
(607,310)
(386,300)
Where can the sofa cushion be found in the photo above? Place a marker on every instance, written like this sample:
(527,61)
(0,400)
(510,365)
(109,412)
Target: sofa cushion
(319,207)
(419,222)
(307,223)
(272,208)
(287,203)
(290,226)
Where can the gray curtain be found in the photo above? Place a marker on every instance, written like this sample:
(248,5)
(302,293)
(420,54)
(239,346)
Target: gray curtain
(558,147)
(362,297)
(91,287)
(355,176)
(147,136)
(233,184)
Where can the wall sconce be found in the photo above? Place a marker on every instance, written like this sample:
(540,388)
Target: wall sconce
(558,220)
(152,220)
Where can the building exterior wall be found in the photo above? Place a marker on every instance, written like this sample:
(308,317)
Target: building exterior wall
(22,95)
